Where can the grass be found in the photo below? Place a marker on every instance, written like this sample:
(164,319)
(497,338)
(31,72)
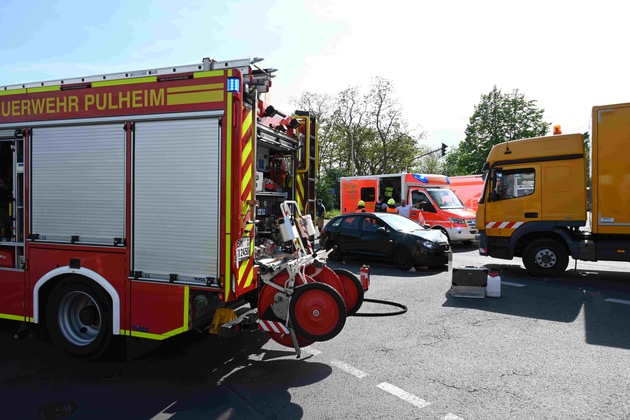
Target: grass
(332,213)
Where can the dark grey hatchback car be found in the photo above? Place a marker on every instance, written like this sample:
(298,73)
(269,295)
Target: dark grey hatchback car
(386,236)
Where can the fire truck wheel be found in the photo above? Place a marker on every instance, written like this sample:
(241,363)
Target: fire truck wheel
(317,311)
(545,257)
(353,289)
(336,254)
(80,318)
(265,299)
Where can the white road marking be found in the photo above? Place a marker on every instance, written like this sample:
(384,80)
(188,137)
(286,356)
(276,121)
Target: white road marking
(164,416)
(347,368)
(403,395)
(509,283)
(312,351)
(451,416)
(625,302)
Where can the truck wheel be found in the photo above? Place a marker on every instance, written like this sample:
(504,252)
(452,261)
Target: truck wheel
(79,318)
(545,258)
(336,254)
(353,289)
(402,258)
(317,311)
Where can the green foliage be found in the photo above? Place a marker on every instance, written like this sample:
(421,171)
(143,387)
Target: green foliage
(430,163)
(325,186)
(362,134)
(497,118)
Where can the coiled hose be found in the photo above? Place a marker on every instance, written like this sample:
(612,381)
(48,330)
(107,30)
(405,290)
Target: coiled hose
(402,307)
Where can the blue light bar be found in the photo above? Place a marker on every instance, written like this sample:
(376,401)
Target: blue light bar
(233,84)
(448,181)
(421,178)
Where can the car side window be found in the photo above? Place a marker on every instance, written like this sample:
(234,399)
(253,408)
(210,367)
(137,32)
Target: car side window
(351,223)
(370,224)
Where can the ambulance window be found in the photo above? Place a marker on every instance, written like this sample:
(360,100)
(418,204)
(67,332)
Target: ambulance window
(513,183)
(420,201)
(368,194)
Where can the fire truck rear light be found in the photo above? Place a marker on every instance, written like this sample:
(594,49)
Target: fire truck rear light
(233,84)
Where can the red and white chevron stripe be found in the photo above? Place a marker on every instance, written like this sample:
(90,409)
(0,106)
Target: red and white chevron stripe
(503,225)
(272,326)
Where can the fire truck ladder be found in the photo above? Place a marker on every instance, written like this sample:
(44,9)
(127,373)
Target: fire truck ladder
(256,78)
(310,162)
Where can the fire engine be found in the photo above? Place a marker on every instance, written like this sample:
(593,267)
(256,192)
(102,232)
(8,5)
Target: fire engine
(150,203)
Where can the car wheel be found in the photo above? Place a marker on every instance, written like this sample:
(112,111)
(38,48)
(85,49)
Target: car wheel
(336,254)
(402,258)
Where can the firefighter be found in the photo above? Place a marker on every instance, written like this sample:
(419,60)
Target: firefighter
(360,207)
(320,213)
(391,206)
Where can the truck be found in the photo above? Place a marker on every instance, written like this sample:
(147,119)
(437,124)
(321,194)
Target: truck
(432,200)
(468,189)
(535,200)
(148,203)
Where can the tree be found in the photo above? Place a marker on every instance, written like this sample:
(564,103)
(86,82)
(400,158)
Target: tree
(497,118)
(363,134)
(327,188)
(429,163)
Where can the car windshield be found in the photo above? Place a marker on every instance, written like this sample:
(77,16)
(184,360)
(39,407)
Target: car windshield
(445,199)
(400,223)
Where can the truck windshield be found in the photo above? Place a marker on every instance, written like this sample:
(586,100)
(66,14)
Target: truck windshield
(445,199)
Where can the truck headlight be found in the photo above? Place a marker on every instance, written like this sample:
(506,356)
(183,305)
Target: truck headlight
(457,221)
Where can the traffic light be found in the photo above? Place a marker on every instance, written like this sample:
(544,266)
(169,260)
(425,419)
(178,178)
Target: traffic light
(444,149)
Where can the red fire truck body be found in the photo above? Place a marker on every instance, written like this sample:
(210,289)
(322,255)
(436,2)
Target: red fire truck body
(128,201)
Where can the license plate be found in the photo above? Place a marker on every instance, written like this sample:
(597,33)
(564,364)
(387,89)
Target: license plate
(242,249)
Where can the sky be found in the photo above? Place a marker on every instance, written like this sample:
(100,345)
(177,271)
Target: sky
(441,56)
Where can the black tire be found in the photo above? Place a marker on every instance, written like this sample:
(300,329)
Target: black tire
(401,258)
(317,311)
(545,258)
(79,318)
(336,254)
(356,284)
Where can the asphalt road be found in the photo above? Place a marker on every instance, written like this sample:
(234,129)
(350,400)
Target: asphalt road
(546,349)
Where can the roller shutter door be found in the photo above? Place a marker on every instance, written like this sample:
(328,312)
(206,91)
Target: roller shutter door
(176,199)
(78,183)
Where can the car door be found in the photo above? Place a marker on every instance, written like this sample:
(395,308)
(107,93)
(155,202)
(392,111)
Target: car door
(375,237)
(349,234)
